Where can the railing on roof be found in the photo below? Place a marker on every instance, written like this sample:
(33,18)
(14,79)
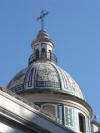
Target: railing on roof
(48,56)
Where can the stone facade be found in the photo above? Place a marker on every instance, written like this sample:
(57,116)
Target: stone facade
(18,117)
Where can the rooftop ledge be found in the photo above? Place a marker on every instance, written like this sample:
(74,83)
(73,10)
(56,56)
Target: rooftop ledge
(30,104)
(18,109)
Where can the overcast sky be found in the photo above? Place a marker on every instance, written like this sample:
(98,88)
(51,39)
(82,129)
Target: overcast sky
(74,25)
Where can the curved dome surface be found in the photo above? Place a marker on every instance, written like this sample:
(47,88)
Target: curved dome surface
(45,75)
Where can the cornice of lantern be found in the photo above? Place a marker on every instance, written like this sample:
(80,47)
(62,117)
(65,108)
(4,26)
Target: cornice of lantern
(34,42)
(42,37)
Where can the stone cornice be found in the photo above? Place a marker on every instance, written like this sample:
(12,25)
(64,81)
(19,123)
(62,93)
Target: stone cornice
(31,104)
(19,120)
(62,97)
(17,110)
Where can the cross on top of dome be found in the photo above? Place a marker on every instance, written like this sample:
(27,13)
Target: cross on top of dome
(43,14)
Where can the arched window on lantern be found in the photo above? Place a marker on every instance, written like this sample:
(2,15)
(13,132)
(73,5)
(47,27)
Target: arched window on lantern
(43,53)
(37,53)
(50,53)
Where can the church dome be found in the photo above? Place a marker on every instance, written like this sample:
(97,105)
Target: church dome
(48,86)
(44,76)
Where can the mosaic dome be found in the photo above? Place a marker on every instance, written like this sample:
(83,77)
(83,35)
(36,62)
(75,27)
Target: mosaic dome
(45,76)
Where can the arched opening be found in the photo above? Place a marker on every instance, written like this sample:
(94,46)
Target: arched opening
(50,54)
(82,123)
(50,109)
(37,54)
(43,54)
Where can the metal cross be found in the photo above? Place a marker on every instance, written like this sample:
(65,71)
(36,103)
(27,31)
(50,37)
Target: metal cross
(43,14)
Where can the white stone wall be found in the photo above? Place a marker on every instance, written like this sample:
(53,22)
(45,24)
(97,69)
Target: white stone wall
(94,128)
(4,128)
(29,114)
